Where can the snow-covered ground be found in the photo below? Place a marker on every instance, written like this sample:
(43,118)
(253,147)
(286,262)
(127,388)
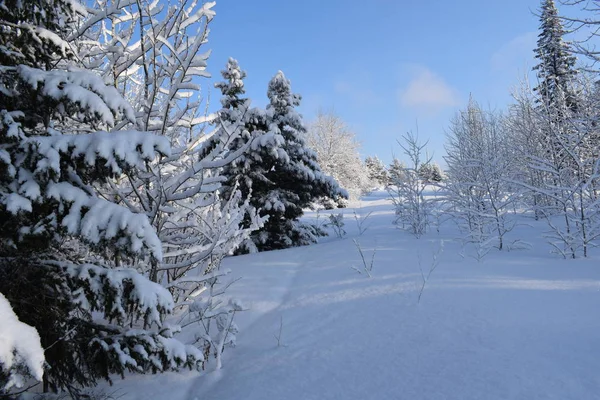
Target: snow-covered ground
(515,325)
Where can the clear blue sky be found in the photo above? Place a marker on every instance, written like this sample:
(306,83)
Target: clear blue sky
(384,66)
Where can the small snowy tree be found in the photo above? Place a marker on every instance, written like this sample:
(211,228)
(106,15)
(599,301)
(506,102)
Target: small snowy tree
(479,171)
(338,154)
(413,209)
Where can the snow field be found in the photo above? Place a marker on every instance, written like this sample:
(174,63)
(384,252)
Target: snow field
(517,325)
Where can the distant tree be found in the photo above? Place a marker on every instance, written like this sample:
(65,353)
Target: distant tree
(556,63)
(396,170)
(413,209)
(337,151)
(377,173)
(480,168)
(430,173)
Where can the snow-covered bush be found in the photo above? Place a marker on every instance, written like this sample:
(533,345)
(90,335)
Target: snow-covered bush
(336,223)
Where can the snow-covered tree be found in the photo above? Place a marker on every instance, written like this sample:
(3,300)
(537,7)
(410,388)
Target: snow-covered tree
(378,174)
(338,154)
(527,140)
(556,66)
(154,53)
(556,73)
(396,171)
(291,178)
(567,165)
(479,171)
(561,176)
(431,173)
(21,354)
(413,209)
(65,251)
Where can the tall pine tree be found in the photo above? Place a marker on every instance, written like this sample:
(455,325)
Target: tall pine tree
(556,68)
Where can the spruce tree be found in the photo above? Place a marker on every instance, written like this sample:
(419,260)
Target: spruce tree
(377,172)
(397,171)
(60,242)
(237,116)
(556,68)
(275,168)
(296,180)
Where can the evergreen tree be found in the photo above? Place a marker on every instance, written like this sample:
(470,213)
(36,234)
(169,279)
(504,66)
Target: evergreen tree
(556,68)
(397,171)
(236,115)
(60,242)
(430,173)
(293,177)
(377,172)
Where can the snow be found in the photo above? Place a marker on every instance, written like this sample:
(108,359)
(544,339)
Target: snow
(20,348)
(517,325)
(96,219)
(80,86)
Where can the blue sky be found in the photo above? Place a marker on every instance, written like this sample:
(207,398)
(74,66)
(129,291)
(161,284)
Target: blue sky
(384,66)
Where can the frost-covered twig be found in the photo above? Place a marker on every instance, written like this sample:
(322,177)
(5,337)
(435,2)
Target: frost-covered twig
(279,336)
(360,222)
(367,268)
(434,263)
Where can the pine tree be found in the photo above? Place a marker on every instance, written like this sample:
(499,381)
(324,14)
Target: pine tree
(236,115)
(377,172)
(293,177)
(60,242)
(556,68)
(397,171)
(430,173)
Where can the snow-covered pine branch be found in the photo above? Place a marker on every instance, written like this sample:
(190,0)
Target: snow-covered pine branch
(21,354)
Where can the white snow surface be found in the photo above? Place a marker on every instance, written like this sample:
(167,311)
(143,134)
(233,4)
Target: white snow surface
(517,325)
